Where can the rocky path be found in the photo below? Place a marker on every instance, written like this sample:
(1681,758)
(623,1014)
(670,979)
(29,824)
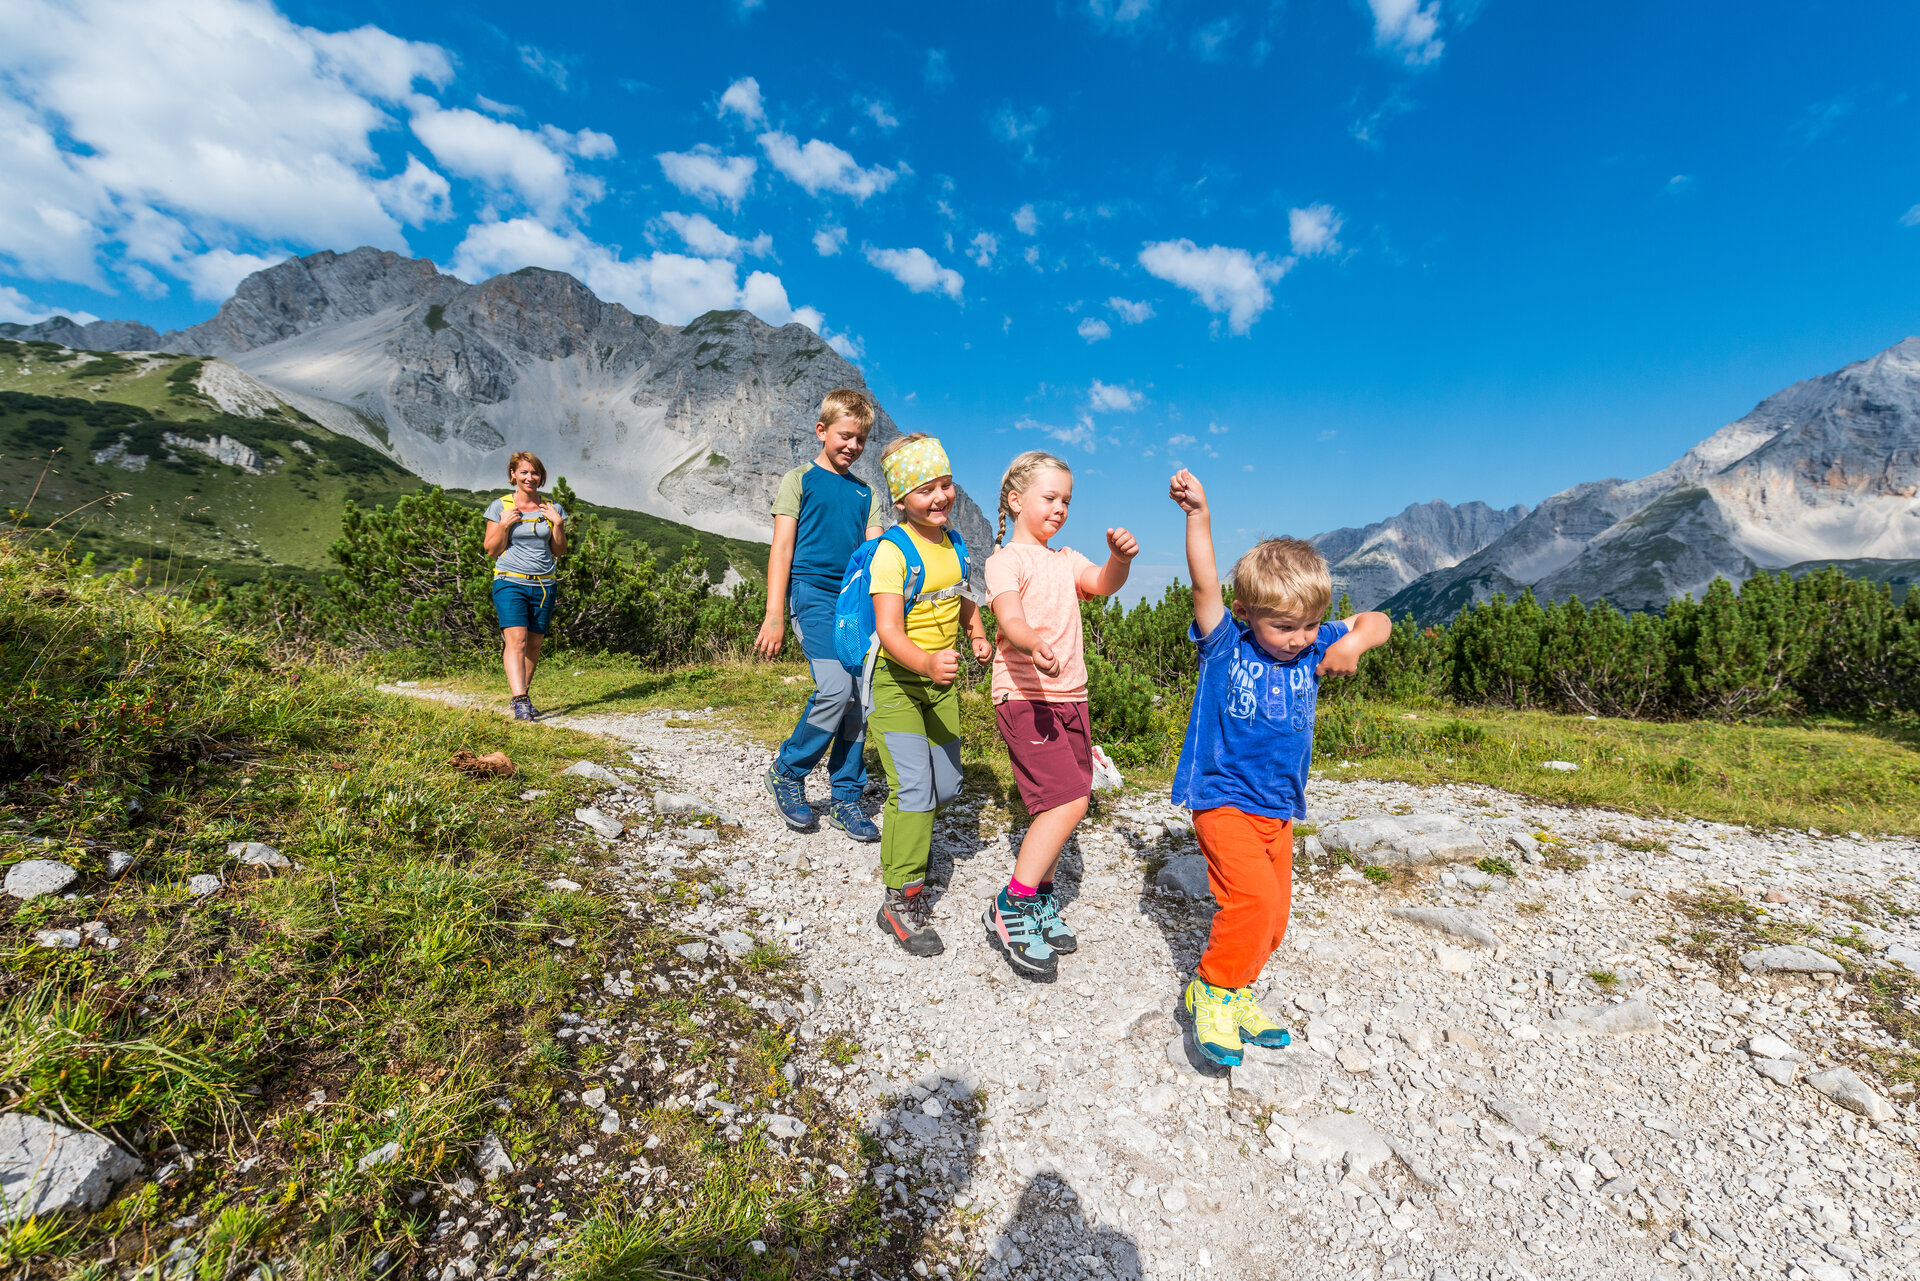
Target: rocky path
(1552,1074)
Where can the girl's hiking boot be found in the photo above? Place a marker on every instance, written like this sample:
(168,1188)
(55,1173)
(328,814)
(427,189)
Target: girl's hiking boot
(1216,1030)
(790,798)
(851,819)
(1255,1027)
(523,708)
(907,917)
(1015,927)
(1059,935)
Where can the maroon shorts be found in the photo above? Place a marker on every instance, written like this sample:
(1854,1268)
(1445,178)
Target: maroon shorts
(1052,751)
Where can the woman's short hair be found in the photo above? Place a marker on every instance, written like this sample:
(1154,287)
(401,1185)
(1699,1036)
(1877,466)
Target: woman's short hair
(526,456)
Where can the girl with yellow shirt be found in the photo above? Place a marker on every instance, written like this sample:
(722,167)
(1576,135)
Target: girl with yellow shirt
(915,717)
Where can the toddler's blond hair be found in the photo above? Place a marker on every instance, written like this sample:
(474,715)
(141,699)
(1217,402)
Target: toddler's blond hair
(1020,474)
(1283,575)
(847,402)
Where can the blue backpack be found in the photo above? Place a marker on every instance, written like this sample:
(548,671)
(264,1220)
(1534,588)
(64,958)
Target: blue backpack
(854,636)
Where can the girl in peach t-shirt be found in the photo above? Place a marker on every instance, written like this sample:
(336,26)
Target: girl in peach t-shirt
(1040,695)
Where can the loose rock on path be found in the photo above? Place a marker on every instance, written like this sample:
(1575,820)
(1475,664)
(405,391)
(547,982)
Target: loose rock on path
(1568,1093)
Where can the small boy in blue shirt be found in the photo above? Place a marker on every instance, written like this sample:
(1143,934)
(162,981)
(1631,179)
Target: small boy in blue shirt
(821,514)
(1243,766)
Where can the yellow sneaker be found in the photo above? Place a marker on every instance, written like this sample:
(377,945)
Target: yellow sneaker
(1215,1030)
(1255,1027)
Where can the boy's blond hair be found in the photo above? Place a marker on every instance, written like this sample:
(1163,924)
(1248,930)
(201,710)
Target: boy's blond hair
(1019,477)
(847,402)
(1283,575)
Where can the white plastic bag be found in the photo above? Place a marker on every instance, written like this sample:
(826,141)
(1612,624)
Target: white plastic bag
(1106,775)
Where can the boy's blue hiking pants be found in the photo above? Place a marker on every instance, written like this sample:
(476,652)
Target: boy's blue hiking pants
(831,725)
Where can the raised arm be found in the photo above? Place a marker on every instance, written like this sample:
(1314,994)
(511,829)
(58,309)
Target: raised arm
(1208,608)
(1365,631)
(773,626)
(1105,580)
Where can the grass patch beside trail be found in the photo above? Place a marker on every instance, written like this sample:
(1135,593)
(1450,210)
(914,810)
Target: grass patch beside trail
(413,980)
(1831,776)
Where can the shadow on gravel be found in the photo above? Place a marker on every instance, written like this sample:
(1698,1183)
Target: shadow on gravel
(1047,1235)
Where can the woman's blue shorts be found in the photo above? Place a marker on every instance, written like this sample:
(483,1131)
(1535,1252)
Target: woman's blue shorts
(524,602)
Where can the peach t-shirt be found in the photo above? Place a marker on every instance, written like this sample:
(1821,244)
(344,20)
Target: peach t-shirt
(1047,580)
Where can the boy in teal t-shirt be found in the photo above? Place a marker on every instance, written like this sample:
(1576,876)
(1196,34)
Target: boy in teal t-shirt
(821,514)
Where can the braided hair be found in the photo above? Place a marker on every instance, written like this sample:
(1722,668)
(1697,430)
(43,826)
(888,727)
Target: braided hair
(1020,474)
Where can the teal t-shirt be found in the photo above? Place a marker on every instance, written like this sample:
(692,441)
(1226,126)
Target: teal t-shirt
(833,512)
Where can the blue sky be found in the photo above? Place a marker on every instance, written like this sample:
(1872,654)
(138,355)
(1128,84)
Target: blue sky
(1336,255)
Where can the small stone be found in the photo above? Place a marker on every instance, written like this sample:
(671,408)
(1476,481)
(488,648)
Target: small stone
(601,824)
(1186,876)
(257,854)
(1769,1046)
(1174,1198)
(202,885)
(1458,922)
(385,1154)
(1278,1079)
(1340,1137)
(588,769)
(1618,1020)
(1791,958)
(785,1127)
(1774,896)
(1526,846)
(1404,840)
(35,877)
(596,1098)
(1779,1071)
(1354,1059)
(610,1122)
(1905,957)
(1564,767)
(118,861)
(493,1158)
(47,1169)
(1850,1092)
(679,803)
(1519,1116)
(695,952)
(1454,960)
(736,942)
(563,884)
(60,940)
(697,836)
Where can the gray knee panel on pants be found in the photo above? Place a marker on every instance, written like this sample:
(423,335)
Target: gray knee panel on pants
(929,775)
(836,699)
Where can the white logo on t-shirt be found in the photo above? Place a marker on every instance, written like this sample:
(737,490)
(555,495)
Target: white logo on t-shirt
(1244,678)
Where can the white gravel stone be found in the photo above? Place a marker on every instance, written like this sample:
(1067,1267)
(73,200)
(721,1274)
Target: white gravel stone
(202,885)
(493,1159)
(1404,840)
(47,1169)
(1458,922)
(35,877)
(602,824)
(590,769)
(1791,958)
(1850,1092)
(257,854)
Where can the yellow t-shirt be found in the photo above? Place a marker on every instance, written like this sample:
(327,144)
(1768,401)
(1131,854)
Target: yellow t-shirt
(933,625)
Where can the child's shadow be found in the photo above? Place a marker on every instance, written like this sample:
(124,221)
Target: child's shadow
(1182,919)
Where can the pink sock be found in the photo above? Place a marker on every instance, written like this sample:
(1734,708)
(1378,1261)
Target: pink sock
(1015,888)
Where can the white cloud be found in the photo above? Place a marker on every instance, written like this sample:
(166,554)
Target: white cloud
(545,65)
(1314,230)
(1209,43)
(1215,429)
(1093,330)
(936,72)
(742,98)
(705,174)
(531,166)
(1230,281)
(673,288)
(493,108)
(1131,312)
(918,270)
(418,195)
(1011,127)
(1408,29)
(879,113)
(1032,255)
(1025,220)
(1679,184)
(829,241)
(700,234)
(983,247)
(820,166)
(1180,441)
(17,309)
(1121,13)
(1080,434)
(212,275)
(1911,218)
(193,125)
(1112,399)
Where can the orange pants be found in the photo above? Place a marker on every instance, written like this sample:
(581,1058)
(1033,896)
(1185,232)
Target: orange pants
(1250,871)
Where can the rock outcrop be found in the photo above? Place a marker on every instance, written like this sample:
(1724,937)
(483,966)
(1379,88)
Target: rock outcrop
(1372,562)
(98,335)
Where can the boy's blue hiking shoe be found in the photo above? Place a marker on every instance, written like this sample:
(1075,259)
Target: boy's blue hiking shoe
(790,798)
(1013,926)
(1059,935)
(851,819)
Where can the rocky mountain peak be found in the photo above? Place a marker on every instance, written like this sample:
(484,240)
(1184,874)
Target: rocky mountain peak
(97,335)
(1372,562)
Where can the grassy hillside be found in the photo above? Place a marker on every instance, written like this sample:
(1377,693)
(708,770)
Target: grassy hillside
(415,978)
(84,439)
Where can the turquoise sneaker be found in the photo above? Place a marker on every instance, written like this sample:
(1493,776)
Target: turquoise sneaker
(1059,935)
(1016,930)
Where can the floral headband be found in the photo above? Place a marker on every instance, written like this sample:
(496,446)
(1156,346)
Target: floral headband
(913,465)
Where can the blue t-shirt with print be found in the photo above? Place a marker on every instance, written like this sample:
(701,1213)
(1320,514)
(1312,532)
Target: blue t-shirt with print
(1250,737)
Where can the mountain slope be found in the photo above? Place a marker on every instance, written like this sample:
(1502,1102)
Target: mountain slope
(693,423)
(1373,562)
(1826,470)
(98,335)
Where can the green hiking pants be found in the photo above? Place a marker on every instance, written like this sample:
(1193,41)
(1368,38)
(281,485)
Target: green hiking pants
(915,725)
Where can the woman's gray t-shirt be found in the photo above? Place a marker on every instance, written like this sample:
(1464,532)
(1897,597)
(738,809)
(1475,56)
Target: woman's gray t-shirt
(529,543)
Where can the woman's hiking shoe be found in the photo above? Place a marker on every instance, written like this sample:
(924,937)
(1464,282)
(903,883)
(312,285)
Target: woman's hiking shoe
(907,916)
(523,708)
(790,798)
(1255,1027)
(533,713)
(1059,934)
(1017,930)
(851,819)
(1215,1028)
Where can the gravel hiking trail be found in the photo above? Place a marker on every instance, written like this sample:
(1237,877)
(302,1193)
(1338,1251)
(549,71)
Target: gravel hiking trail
(1529,1042)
